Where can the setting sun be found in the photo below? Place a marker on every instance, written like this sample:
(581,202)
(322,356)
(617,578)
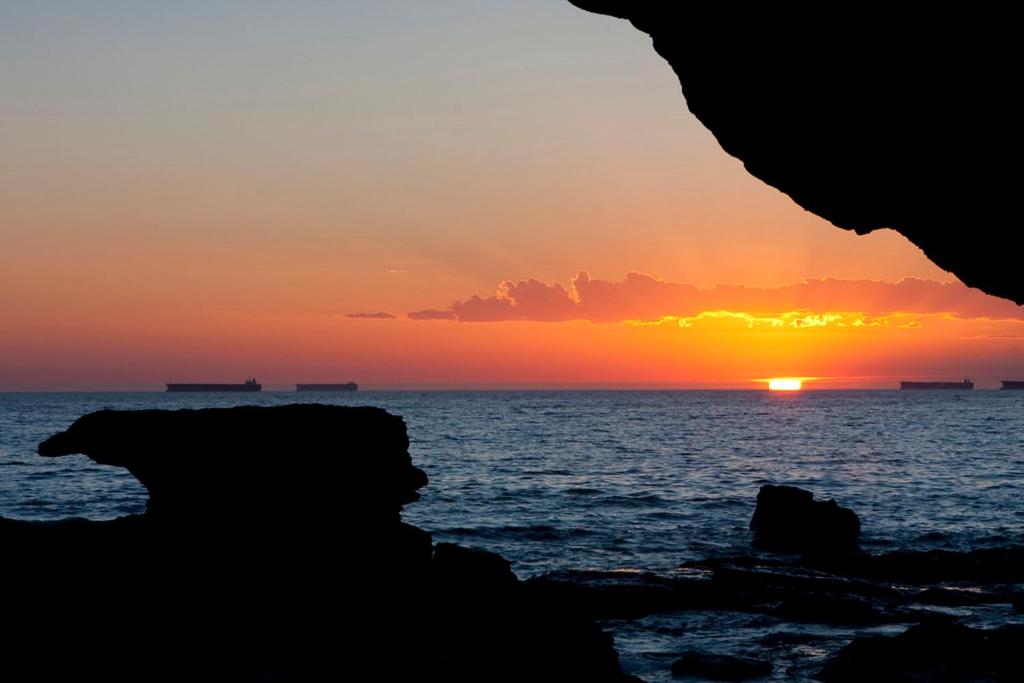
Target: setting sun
(784,384)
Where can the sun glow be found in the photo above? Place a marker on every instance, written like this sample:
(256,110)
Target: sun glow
(784,384)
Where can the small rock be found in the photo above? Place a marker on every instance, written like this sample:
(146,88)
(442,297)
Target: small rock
(789,519)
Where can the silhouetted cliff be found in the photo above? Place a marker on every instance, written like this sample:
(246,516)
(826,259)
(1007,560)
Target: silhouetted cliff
(868,119)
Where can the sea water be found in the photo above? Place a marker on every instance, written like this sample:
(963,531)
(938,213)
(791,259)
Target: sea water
(620,479)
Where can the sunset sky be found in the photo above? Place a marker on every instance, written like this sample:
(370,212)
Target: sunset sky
(408,194)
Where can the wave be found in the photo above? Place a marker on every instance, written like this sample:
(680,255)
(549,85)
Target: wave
(632,501)
(582,491)
(533,532)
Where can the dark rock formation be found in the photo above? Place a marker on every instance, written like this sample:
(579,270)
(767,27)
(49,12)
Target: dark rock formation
(492,627)
(283,463)
(875,121)
(720,667)
(789,519)
(943,578)
(791,594)
(982,565)
(469,571)
(993,567)
(932,652)
(622,595)
(271,549)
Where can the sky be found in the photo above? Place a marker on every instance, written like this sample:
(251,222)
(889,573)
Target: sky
(457,194)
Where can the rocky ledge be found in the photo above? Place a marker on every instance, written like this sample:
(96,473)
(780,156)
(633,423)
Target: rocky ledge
(271,549)
(931,652)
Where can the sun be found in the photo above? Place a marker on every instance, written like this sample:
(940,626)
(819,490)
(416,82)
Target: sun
(784,384)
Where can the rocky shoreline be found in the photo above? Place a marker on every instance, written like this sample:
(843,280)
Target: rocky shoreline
(272,548)
(825,582)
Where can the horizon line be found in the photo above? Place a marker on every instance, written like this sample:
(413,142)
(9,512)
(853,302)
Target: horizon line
(494,388)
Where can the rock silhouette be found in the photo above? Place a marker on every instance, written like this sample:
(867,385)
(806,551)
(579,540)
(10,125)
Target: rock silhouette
(931,652)
(282,463)
(789,519)
(254,464)
(271,549)
(872,122)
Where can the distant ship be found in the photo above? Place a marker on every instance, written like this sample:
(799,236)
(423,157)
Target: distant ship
(347,386)
(1015,384)
(966,384)
(250,385)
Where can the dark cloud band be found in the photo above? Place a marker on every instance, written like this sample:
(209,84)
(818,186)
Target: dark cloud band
(641,297)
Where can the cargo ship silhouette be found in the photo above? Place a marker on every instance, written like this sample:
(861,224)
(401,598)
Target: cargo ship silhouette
(1013,384)
(249,385)
(966,384)
(346,386)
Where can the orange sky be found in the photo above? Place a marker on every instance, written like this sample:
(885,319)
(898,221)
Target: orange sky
(184,199)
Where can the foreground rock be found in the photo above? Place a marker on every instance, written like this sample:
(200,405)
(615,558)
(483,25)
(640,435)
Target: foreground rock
(720,667)
(257,464)
(789,519)
(271,549)
(932,652)
(489,626)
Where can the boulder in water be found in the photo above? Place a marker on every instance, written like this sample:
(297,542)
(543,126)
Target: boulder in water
(788,519)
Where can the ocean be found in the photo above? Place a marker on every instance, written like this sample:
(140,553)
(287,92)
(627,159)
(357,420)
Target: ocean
(621,480)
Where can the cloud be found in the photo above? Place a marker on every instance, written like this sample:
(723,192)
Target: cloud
(379,315)
(529,300)
(642,298)
(432,314)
